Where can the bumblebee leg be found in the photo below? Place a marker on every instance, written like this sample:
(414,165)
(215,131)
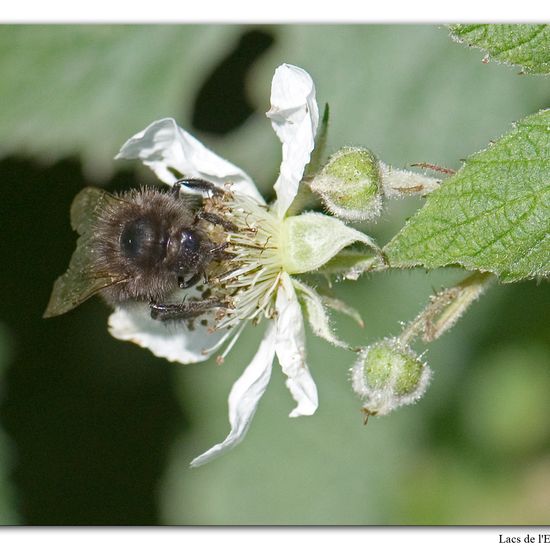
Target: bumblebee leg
(182,283)
(185,310)
(218,252)
(176,189)
(216,220)
(200,185)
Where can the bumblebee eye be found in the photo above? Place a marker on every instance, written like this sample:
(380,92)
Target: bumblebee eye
(190,241)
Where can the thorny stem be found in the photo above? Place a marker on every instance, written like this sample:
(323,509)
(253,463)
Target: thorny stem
(398,183)
(434,167)
(445,308)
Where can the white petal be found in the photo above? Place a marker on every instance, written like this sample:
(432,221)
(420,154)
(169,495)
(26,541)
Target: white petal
(163,145)
(245,396)
(294,116)
(290,349)
(174,342)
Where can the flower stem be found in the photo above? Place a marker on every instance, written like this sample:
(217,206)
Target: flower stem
(445,308)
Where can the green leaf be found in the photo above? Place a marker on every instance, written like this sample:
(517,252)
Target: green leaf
(492,215)
(527,46)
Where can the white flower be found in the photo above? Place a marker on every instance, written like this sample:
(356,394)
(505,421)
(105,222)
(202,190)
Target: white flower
(268,248)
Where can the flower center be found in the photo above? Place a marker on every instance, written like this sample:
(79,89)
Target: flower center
(251,283)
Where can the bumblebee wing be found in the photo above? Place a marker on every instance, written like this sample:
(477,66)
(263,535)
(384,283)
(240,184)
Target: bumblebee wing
(87,206)
(81,281)
(77,284)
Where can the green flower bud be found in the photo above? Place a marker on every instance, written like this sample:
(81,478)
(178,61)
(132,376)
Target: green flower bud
(350,184)
(387,375)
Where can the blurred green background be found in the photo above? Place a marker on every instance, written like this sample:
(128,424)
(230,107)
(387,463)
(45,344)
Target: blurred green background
(97,431)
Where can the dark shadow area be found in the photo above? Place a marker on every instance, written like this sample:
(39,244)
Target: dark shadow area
(91,418)
(222,103)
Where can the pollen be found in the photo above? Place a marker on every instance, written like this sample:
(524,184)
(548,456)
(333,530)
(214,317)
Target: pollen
(250,278)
